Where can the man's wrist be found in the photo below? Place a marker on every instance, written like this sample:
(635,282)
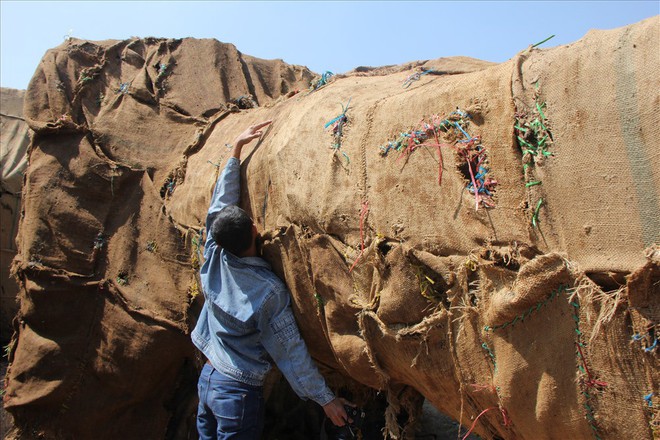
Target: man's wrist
(236,149)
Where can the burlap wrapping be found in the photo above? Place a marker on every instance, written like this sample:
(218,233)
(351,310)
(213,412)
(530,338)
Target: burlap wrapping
(398,282)
(14,140)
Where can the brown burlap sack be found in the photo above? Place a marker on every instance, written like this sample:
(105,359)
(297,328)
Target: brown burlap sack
(524,320)
(113,121)
(14,140)
(605,167)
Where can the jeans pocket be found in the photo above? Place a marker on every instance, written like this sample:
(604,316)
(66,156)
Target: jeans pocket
(229,409)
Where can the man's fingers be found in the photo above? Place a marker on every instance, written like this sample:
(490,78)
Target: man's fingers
(342,416)
(261,125)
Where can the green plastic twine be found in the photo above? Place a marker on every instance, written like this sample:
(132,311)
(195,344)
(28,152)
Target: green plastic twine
(539,107)
(319,300)
(541,42)
(490,353)
(527,313)
(535,217)
(589,410)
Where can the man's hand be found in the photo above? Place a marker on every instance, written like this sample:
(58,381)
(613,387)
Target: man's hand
(251,133)
(336,412)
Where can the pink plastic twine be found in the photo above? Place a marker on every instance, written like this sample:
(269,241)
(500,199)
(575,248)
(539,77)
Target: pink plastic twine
(478,387)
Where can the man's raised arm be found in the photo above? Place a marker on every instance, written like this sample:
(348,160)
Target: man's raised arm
(228,187)
(246,137)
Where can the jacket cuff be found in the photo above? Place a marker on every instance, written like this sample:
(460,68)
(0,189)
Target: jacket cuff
(324,398)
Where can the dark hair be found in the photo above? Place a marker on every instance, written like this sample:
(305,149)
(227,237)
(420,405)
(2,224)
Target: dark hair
(232,229)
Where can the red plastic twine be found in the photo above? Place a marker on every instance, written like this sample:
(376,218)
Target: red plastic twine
(437,145)
(591,382)
(413,145)
(507,422)
(363,214)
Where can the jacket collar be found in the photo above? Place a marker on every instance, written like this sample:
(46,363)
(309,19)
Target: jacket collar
(245,261)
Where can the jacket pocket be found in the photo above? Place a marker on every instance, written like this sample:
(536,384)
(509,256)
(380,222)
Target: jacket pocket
(231,322)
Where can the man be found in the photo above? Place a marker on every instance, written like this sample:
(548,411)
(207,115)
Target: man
(246,321)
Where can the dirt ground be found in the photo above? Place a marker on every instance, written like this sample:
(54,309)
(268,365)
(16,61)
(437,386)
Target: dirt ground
(436,426)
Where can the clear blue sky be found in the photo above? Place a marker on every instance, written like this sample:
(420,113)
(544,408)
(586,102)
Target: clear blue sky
(336,36)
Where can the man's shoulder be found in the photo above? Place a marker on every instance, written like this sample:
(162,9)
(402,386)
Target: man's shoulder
(274,293)
(271,278)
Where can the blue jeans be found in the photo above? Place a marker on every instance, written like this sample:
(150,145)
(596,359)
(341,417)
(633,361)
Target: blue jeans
(228,409)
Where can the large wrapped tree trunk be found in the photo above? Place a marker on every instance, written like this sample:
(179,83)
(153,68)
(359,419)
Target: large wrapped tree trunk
(499,260)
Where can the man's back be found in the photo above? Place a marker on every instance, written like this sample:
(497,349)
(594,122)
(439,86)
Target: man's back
(238,286)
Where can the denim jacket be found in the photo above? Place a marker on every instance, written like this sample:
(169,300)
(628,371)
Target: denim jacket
(247,319)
